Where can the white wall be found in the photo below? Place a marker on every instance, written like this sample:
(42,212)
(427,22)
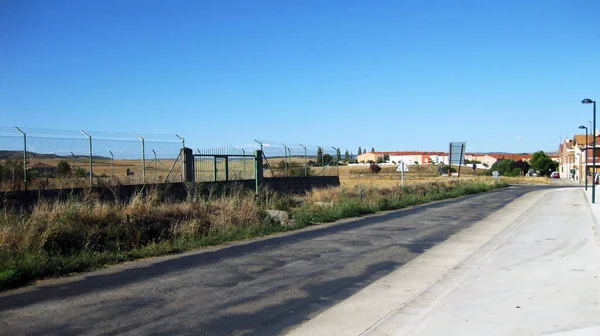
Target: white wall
(408,159)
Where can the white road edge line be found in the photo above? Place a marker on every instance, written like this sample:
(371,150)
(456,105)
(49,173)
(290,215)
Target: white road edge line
(363,312)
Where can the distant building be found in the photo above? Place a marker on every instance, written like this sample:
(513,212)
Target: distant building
(409,157)
(418,157)
(490,159)
(576,157)
(42,168)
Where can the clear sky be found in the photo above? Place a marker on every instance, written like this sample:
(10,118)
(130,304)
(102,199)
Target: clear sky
(394,75)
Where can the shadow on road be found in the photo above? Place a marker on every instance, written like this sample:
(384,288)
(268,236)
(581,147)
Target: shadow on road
(269,320)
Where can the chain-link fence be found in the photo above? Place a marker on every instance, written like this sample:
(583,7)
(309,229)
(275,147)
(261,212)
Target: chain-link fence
(49,159)
(294,159)
(57,159)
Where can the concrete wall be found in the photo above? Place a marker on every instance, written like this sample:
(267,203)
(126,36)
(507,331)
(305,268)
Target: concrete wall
(408,159)
(170,191)
(369,156)
(300,184)
(489,160)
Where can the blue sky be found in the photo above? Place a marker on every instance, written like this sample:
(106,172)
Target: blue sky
(394,75)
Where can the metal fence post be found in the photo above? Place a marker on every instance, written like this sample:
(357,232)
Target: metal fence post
(322,161)
(337,160)
(91,171)
(215,167)
(182,140)
(450,162)
(285,157)
(153,151)
(305,163)
(143,159)
(227,168)
(258,169)
(244,153)
(260,143)
(24,156)
(112,159)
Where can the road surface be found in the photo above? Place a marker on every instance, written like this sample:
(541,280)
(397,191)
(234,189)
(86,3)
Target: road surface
(268,286)
(541,276)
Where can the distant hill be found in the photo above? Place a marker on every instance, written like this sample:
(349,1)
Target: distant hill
(16,155)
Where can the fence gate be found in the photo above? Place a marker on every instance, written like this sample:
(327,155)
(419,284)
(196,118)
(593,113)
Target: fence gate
(223,164)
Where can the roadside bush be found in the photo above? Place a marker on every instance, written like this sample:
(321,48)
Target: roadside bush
(63,168)
(513,173)
(445,169)
(374,168)
(79,172)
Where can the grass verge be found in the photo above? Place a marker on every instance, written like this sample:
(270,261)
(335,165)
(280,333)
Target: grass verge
(352,202)
(56,239)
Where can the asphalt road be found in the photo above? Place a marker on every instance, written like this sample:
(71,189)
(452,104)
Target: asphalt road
(562,182)
(261,287)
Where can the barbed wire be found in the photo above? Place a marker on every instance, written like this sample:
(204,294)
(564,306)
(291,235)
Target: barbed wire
(64,133)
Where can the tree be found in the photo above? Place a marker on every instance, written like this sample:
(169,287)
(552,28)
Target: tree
(502,166)
(364,151)
(359,150)
(338,155)
(379,159)
(543,163)
(12,169)
(347,156)
(319,160)
(63,168)
(327,159)
(372,149)
(386,157)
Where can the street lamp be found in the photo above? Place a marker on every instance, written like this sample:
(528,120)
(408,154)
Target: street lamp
(586,155)
(589,101)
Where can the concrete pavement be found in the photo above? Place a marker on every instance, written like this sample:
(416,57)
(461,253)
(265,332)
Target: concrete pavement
(530,269)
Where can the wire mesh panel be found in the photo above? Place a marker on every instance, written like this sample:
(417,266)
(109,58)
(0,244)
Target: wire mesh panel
(12,159)
(67,159)
(294,160)
(223,164)
(241,167)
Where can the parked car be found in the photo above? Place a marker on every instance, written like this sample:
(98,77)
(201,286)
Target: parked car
(555,175)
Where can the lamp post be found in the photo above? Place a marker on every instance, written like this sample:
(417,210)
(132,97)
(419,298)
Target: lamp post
(593,102)
(586,155)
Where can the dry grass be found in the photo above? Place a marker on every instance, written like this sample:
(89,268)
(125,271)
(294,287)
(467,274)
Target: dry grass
(525,180)
(377,180)
(335,203)
(94,226)
(58,238)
